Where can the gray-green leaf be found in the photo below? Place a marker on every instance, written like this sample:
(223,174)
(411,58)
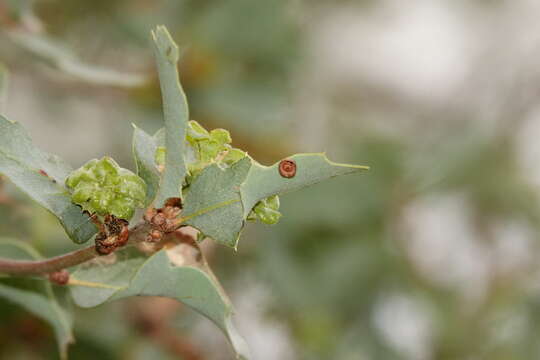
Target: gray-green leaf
(264,181)
(220,200)
(179,271)
(144,150)
(41,176)
(176,114)
(36,295)
(213,203)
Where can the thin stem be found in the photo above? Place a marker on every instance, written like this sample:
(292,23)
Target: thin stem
(36,267)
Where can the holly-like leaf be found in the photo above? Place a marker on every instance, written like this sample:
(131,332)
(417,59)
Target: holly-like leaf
(219,200)
(178,271)
(176,114)
(213,203)
(36,295)
(264,181)
(41,176)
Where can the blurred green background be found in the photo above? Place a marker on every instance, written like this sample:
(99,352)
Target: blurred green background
(432,254)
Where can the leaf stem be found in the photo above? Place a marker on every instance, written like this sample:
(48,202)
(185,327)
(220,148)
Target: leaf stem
(77,282)
(35,267)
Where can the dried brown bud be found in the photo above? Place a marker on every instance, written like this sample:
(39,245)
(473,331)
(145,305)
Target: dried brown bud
(149,214)
(105,245)
(174,202)
(159,219)
(156,235)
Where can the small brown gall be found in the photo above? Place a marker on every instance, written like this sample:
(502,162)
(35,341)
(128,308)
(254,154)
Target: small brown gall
(287,168)
(59,277)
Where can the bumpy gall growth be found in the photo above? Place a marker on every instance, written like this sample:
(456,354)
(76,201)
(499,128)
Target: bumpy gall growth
(102,187)
(205,148)
(210,147)
(266,210)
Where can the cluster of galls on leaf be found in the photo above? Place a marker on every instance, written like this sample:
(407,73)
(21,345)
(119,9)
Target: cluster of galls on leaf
(110,195)
(205,148)
(214,147)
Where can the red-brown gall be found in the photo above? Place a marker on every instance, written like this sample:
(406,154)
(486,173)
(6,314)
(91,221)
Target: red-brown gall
(59,277)
(287,168)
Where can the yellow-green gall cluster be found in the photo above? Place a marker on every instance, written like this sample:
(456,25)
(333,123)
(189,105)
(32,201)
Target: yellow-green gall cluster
(206,147)
(103,187)
(266,211)
(211,147)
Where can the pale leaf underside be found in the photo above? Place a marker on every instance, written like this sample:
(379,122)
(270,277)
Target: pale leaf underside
(178,271)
